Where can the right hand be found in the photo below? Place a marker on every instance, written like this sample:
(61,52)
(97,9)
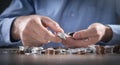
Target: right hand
(32,30)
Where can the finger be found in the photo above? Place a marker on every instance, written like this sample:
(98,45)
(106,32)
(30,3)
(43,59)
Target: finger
(71,43)
(84,33)
(48,35)
(90,41)
(53,38)
(51,24)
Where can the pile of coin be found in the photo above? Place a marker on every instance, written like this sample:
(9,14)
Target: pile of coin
(92,49)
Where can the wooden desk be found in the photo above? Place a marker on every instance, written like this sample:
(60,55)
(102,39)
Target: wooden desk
(60,59)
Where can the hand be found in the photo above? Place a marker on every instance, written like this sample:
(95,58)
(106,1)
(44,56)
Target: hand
(33,30)
(95,33)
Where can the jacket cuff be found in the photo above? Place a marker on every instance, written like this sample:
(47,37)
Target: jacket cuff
(116,35)
(5,30)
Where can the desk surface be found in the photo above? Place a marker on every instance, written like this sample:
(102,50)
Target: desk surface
(60,59)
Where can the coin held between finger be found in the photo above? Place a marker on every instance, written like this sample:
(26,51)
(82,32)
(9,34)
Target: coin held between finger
(61,35)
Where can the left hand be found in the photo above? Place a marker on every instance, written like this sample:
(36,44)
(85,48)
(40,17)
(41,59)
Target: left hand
(93,34)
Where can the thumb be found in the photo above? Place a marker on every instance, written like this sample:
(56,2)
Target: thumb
(84,34)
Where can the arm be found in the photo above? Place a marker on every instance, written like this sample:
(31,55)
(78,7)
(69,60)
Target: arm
(109,35)
(16,8)
(32,30)
(116,35)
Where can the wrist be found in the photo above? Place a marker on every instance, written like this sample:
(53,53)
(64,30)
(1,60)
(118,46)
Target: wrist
(14,34)
(108,34)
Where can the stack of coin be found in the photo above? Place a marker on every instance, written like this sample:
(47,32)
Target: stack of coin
(100,49)
(108,49)
(36,50)
(60,51)
(50,51)
(82,51)
(22,49)
(116,49)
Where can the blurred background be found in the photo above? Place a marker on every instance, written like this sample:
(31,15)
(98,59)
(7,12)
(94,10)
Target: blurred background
(4,4)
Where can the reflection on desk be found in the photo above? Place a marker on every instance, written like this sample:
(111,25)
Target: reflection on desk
(113,59)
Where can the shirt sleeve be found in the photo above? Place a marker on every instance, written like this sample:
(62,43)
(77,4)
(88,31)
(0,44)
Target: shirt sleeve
(116,28)
(16,8)
(116,35)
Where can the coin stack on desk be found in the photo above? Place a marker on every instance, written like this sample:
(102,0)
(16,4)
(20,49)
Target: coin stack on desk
(22,49)
(50,51)
(92,49)
(36,50)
